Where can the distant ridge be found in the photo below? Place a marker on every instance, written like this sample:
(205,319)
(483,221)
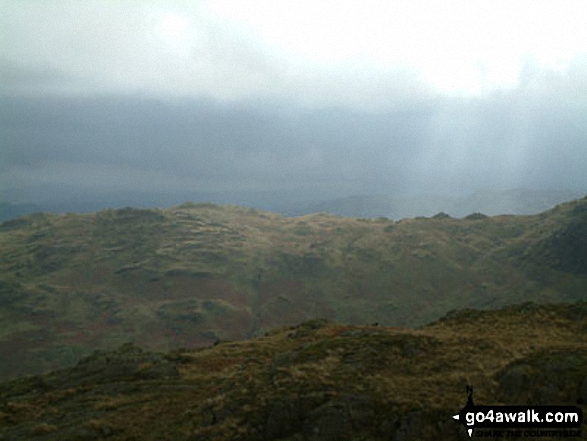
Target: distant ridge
(294,202)
(489,202)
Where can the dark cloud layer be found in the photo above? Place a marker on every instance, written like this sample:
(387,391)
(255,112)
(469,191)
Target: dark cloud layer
(273,104)
(132,144)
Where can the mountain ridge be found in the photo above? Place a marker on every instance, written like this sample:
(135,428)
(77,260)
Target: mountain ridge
(292,202)
(198,273)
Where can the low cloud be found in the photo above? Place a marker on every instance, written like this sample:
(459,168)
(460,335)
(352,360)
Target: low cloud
(215,96)
(450,145)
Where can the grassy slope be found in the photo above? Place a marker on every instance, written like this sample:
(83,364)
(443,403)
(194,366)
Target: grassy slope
(186,276)
(317,381)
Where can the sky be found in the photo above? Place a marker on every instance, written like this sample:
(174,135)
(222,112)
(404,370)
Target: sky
(305,99)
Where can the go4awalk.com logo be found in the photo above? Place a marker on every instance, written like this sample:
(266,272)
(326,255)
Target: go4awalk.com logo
(520,421)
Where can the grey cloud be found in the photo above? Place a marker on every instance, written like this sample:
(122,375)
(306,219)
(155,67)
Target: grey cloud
(449,145)
(22,79)
(94,98)
(201,138)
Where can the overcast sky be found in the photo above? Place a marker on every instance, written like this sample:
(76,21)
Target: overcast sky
(331,97)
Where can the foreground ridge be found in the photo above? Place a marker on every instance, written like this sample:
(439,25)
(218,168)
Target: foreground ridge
(316,381)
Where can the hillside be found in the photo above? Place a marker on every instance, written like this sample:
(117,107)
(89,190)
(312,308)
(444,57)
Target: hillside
(317,381)
(191,275)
